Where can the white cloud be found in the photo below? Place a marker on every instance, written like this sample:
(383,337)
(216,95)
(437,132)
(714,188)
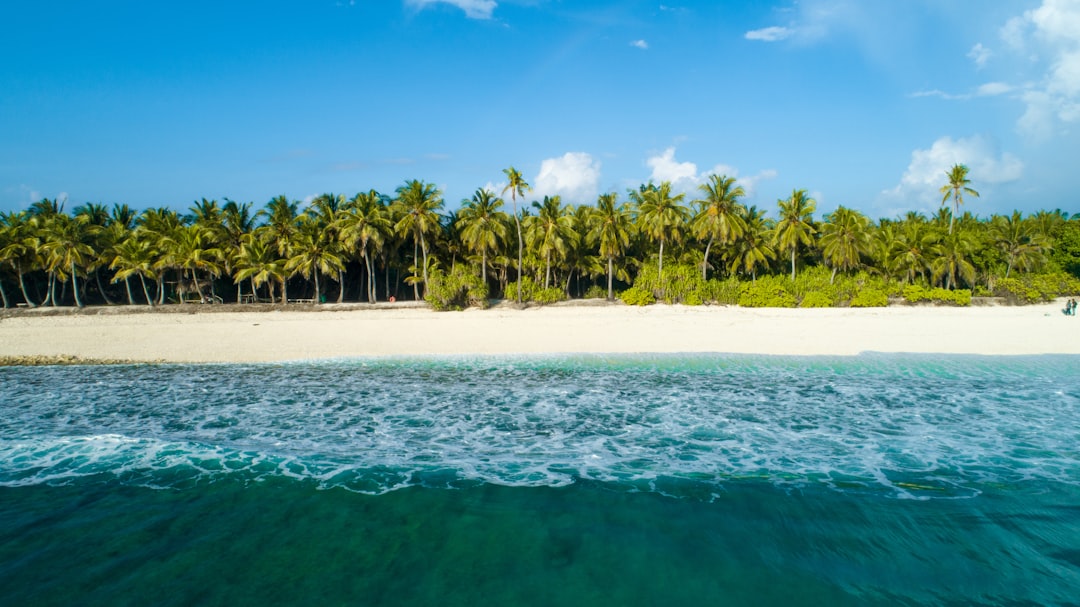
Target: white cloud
(684,176)
(474,9)
(641,44)
(770,34)
(991,89)
(979,54)
(1052,32)
(575,176)
(920,186)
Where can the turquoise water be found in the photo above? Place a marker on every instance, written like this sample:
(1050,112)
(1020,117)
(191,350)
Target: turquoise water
(586,480)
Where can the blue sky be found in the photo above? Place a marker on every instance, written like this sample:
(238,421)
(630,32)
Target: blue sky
(863,104)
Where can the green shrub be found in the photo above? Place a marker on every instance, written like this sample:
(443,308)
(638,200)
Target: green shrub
(681,283)
(917,293)
(724,292)
(596,292)
(548,295)
(870,298)
(1034,288)
(530,291)
(816,299)
(766,292)
(457,290)
(637,296)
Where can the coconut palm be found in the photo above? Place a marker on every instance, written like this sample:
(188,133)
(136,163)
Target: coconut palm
(483,226)
(916,245)
(661,216)
(19,248)
(795,225)
(313,252)
(550,232)
(419,203)
(158,227)
(191,248)
(364,226)
(517,186)
(68,250)
(845,238)
(956,188)
(951,259)
(256,262)
(1020,241)
(610,226)
(753,249)
(133,256)
(718,217)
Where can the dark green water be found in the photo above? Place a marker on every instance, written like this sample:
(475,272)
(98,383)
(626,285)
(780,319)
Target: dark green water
(672,481)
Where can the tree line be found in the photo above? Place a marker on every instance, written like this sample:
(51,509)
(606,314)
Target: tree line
(373,246)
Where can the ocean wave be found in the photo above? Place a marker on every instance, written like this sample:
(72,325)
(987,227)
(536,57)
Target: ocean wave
(910,427)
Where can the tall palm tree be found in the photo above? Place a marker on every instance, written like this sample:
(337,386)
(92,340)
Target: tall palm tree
(19,248)
(718,217)
(551,232)
(845,238)
(420,203)
(754,248)
(795,225)
(313,252)
(365,223)
(133,256)
(517,186)
(916,246)
(159,227)
(483,226)
(1020,241)
(661,216)
(952,259)
(957,186)
(256,262)
(68,250)
(610,226)
(192,248)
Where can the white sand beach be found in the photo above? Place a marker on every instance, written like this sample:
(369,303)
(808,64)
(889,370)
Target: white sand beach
(280,335)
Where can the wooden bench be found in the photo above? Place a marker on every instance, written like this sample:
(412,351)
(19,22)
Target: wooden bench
(302,301)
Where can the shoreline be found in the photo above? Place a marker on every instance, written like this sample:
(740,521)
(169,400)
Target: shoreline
(224,334)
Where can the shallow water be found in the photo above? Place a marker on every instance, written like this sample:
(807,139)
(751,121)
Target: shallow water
(581,480)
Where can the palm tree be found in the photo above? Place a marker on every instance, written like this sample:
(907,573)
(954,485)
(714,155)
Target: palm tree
(19,248)
(951,259)
(255,262)
(718,216)
(845,238)
(68,250)
(916,246)
(956,188)
(661,216)
(133,256)
(158,227)
(754,247)
(483,226)
(313,252)
(191,248)
(1019,240)
(365,223)
(550,232)
(419,202)
(796,224)
(517,186)
(610,226)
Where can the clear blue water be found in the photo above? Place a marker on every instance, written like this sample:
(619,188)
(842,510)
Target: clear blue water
(584,480)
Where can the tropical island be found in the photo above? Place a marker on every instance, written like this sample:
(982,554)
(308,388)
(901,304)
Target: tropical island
(392,254)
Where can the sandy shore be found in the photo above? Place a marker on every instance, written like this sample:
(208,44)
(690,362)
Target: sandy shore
(250,336)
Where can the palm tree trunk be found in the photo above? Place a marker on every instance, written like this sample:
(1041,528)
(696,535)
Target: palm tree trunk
(101,289)
(198,288)
(705,262)
(610,289)
(22,287)
(792,263)
(75,286)
(371,277)
(316,273)
(833,277)
(547,270)
(146,293)
(3,295)
(660,269)
(521,246)
(423,247)
(127,287)
(341,286)
(483,266)
(415,287)
(284,291)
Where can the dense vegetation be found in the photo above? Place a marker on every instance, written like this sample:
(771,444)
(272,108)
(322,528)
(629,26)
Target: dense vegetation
(657,245)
